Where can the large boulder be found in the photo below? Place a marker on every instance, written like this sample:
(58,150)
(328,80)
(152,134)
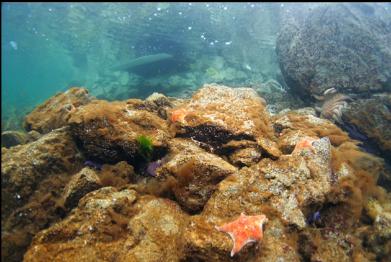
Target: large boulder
(289,184)
(79,185)
(321,180)
(372,118)
(292,126)
(117,175)
(204,243)
(340,57)
(33,177)
(55,112)
(243,153)
(196,173)
(13,138)
(24,167)
(344,46)
(112,225)
(218,114)
(108,131)
(216,155)
(280,189)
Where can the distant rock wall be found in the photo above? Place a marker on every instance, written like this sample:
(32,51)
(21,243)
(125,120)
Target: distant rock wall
(339,56)
(345,46)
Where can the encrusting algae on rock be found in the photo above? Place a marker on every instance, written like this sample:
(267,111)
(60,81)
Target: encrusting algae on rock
(215,158)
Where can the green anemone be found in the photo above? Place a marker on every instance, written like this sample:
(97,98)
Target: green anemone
(145,146)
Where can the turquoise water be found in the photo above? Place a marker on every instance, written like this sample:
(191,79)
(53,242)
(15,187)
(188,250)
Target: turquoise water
(49,47)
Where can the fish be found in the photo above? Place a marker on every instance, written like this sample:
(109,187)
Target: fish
(14,45)
(248,67)
(141,61)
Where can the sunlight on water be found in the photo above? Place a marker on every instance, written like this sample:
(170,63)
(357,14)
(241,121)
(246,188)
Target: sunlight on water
(49,47)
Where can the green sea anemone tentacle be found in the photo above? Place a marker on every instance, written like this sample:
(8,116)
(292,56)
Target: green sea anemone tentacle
(145,146)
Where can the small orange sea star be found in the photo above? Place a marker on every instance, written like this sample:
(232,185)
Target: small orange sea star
(304,143)
(243,230)
(178,115)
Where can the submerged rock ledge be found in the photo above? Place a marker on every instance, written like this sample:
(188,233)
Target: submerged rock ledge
(85,191)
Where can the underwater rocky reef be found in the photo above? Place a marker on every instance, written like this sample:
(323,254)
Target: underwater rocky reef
(338,59)
(272,150)
(154,180)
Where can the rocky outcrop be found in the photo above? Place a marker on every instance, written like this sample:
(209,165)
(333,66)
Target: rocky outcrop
(215,156)
(117,175)
(33,177)
(344,46)
(288,191)
(114,225)
(372,119)
(273,182)
(195,171)
(339,56)
(14,138)
(79,185)
(24,167)
(55,112)
(204,243)
(159,104)
(290,127)
(243,153)
(278,97)
(108,131)
(380,214)
(218,114)
(268,187)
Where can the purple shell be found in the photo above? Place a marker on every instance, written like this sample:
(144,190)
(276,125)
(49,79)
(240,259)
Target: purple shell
(315,217)
(151,169)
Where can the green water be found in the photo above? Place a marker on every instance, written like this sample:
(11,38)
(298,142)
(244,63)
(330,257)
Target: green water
(49,47)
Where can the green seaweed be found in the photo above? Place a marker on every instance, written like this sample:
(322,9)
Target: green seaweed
(145,146)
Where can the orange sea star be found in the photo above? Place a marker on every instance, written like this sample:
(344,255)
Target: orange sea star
(304,143)
(178,115)
(243,230)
